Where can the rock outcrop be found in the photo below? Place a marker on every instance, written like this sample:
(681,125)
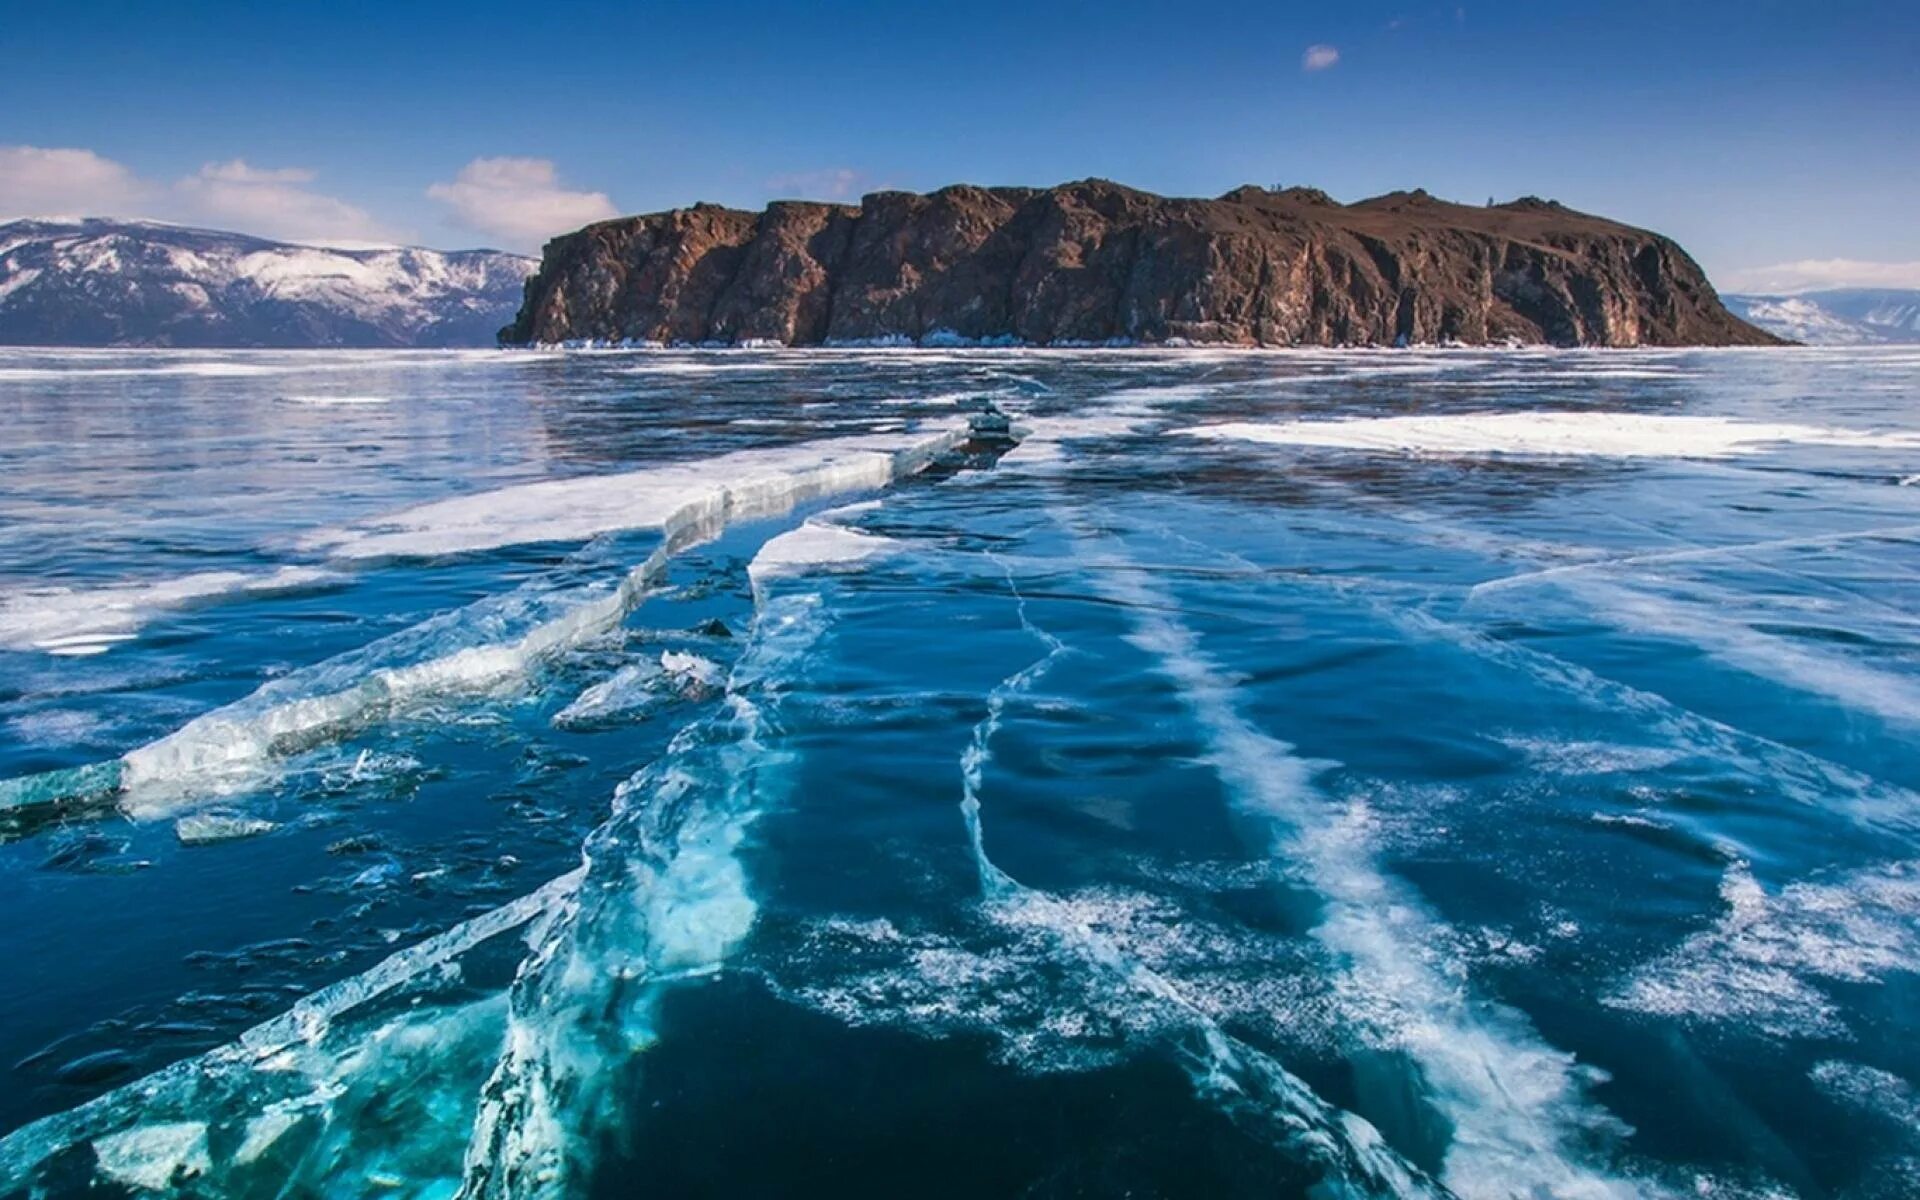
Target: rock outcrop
(1094,262)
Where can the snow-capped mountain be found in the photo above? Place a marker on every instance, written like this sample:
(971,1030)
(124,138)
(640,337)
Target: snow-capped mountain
(1840,317)
(136,283)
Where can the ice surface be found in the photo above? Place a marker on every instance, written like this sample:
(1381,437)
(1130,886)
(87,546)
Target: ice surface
(1731,638)
(1880,1093)
(678,904)
(1536,433)
(333,1093)
(1781,769)
(424,1077)
(320,400)
(1250,1086)
(227,750)
(667,899)
(1519,1108)
(1591,758)
(1694,554)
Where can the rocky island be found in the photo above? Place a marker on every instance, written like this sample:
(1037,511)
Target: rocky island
(1094,263)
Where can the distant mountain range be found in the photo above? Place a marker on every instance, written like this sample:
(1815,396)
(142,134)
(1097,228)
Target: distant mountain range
(1841,317)
(136,283)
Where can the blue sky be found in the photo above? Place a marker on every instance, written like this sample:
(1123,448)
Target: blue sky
(1761,135)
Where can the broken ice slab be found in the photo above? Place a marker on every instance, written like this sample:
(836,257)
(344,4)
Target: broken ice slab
(200,829)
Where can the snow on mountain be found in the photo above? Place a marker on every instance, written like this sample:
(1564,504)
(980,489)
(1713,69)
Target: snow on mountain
(97,282)
(1839,317)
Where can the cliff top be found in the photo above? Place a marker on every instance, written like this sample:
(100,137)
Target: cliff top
(1527,218)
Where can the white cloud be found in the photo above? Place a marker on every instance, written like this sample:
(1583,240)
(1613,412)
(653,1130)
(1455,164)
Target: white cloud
(36,181)
(39,182)
(519,200)
(832,183)
(1816,274)
(240,171)
(273,202)
(1319,58)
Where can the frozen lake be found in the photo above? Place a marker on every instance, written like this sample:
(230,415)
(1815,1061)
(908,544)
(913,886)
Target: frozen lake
(1393,773)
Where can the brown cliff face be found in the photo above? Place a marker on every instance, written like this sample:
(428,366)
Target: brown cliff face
(1095,262)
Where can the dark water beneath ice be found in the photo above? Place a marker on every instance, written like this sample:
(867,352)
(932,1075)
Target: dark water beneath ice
(1504,786)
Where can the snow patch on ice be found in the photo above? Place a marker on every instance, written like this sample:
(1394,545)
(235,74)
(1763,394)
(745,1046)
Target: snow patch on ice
(1550,434)
(1116,414)
(1853,685)
(1881,1093)
(1760,967)
(326,401)
(1733,640)
(1590,758)
(81,621)
(690,670)
(813,546)
(153,1158)
(1786,770)
(56,727)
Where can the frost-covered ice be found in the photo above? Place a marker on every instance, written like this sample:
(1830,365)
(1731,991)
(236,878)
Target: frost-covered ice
(628,692)
(320,400)
(155,1158)
(1114,414)
(1767,964)
(82,621)
(1596,434)
(689,672)
(201,828)
(1880,1092)
(747,483)
(817,543)
(1591,758)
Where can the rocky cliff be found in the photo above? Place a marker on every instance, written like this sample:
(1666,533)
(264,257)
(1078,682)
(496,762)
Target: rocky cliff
(1094,262)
